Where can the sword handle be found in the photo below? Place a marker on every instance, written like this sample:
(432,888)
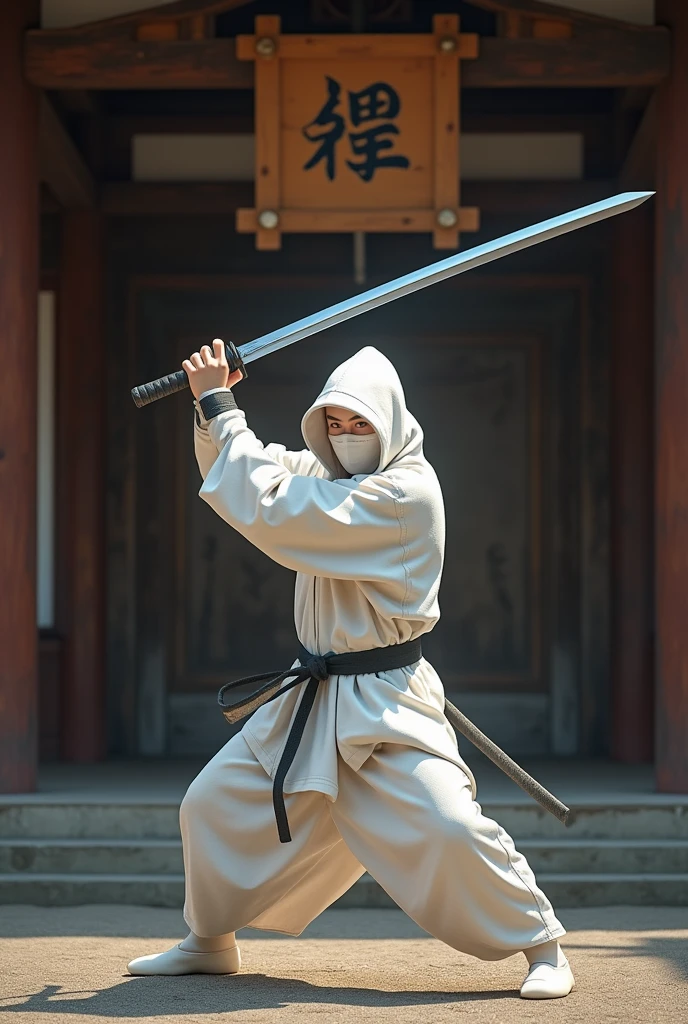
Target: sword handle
(145,394)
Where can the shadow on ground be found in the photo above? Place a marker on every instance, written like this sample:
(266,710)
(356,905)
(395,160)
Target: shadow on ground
(151,997)
(358,966)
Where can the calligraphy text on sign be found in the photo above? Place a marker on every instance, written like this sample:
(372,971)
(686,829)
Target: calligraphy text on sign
(379,103)
(356,135)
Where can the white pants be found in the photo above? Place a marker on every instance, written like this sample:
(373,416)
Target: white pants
(406,817)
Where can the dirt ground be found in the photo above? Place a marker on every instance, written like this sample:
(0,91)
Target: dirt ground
(68,965)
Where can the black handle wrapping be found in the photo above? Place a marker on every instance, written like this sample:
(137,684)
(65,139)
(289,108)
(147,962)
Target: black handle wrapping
(145,394)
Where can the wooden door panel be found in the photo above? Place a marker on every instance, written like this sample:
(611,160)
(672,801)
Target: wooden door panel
(479,404)
(474,398)
(493,384)
(235,612)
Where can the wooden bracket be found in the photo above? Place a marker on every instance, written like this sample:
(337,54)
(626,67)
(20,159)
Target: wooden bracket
(62,167)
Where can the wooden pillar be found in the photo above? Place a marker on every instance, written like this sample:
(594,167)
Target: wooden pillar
(671,373)
(19,269)
(632,487)
(81,484)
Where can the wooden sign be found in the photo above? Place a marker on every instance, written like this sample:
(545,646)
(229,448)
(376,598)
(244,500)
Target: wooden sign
(357,132)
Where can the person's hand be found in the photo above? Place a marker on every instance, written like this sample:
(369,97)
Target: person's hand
(208,369)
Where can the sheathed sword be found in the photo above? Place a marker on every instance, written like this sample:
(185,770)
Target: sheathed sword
(371,299)
(460,263)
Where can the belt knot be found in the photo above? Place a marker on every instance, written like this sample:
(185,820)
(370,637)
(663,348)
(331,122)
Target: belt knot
(313,669)
(317,667)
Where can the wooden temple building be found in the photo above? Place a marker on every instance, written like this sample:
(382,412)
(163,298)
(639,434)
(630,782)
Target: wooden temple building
(216,168)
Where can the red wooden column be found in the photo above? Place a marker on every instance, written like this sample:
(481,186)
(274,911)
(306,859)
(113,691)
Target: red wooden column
(632,487)
(671,371)
(81,484)
(19,263)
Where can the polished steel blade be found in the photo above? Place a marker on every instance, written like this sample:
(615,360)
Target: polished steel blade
(457,264)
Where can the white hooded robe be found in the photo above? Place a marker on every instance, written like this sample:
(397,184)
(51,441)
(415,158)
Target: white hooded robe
(367,551)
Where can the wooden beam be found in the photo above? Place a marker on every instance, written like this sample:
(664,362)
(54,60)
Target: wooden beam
(639,168)
(671,414)
(591,60)
(178,10)
(19,263)
(81,483)
(604,59)
(631,413)
(494,198)
(65,62)
(62,167)
(537,10)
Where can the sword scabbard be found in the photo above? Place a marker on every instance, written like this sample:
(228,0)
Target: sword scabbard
(514,771)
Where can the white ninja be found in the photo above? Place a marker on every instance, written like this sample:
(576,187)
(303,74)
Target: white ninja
(378,783)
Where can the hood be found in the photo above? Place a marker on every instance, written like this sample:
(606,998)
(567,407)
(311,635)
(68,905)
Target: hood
(367,384)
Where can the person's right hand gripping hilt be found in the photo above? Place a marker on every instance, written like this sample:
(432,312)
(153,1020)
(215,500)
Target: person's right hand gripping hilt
(145,394)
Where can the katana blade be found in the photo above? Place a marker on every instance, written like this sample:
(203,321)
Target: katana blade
(460,263)
(406,285)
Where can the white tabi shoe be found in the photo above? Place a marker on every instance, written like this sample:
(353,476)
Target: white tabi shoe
(181,961)
(546,982)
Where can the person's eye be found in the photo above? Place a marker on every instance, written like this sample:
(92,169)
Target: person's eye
(362,423)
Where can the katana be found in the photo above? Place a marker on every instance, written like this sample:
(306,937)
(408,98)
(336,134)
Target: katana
(362,303)
(460,263)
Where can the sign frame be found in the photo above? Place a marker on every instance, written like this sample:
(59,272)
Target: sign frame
(445,219)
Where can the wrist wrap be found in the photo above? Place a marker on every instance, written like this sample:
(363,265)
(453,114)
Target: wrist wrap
(218,402)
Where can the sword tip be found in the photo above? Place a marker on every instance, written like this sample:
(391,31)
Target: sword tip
(634,198)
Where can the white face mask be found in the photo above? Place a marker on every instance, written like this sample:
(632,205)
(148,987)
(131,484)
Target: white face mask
(358,453)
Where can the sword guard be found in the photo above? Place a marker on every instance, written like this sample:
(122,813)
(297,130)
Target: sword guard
(234,360)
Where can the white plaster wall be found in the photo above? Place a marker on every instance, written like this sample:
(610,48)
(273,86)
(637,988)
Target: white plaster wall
(222,157)
(485,156)
(61,13)
(517,156)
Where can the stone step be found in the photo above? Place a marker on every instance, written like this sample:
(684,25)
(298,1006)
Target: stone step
(164,856)
(37,818)
(92,856)
(606,856)
(68,890)
(567,890)
(564,890)
(656,819)
(102,819)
